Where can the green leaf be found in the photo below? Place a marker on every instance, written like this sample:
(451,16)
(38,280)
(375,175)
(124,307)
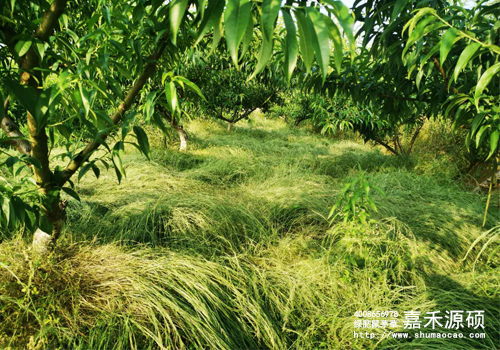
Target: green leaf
(200,9)
(211,17)
(419,14)
(236,17)
(71,193)
(429,55)
(305,40)
(346,21)
(26,95)
(177,10)
(22,47)
(265,53)
(218,29)
(96,170)
(191,85)
(321,43)
(270,11)
(45,104)
(476,122)
(485,80)
(5,204)
(464,58)
(247,38)
(420,74)
(446,44)
(149,106)
(417,33)
(85,100)
(480,134)
(19,209)
(117,155)
(84,170)
(32,161)
(493,142)
(120,48)
(398,7)
(171,96)
(142,138)
(337,42)
(291,45)
(10,162)
(40,48)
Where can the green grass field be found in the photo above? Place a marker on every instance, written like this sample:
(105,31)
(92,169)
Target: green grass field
(227,246)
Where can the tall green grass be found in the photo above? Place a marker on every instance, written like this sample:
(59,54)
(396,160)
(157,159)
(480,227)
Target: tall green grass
(227,246)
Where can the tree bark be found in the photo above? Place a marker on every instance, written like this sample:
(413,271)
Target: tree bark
(387,146)
(37,134)
(149,70)
(11,129)
(414,137)
(183,137)
(229,126)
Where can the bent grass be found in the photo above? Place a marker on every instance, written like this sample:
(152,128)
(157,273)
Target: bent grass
(227,246)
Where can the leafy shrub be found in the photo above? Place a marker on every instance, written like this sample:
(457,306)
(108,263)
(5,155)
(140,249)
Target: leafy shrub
(355,202)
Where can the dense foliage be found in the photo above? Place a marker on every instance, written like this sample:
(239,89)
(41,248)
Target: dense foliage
(84,64)
(229,96)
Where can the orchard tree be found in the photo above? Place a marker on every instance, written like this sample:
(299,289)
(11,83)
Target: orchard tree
(82,65)
(468,42)
(420,60)
(292,105)
(229,95)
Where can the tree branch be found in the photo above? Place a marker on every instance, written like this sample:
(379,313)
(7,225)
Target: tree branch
(262,104)
(387,146)
(149,70)
(11,129)
(443,74)
(414,137)
(223,118)
(246,114)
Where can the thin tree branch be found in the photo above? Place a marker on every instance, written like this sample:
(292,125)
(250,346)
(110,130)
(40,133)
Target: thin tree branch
(148,72)
(223,118)
(246,114)
(414,137)
(443,74)
(387,146)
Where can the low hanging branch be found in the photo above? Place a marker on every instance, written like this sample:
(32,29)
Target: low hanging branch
(148,72)
(245,114)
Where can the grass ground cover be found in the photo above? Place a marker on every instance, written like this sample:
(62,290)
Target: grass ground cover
(227,246)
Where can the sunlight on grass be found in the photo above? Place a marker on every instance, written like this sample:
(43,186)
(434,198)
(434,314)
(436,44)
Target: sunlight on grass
(226,246)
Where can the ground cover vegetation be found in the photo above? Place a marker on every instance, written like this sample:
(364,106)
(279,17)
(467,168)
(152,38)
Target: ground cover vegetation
(336,162)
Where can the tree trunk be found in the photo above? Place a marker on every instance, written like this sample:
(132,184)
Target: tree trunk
(182,137)
(180,131)
(42,242)
(56,213)
(414,137)
(229,126)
